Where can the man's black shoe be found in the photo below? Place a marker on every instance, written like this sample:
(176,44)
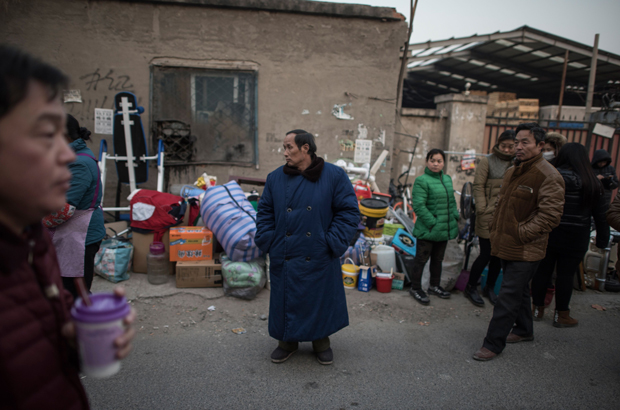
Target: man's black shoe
(326,357)
(472,294)
(280,355)
(438,291)
(420,296)
(490,294)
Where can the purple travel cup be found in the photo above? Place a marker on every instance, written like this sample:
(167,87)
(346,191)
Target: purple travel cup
(97,327)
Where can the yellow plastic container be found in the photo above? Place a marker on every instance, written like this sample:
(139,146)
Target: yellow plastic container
(373,216)
(350,272)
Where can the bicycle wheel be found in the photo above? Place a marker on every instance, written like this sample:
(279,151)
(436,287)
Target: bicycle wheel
(409,212)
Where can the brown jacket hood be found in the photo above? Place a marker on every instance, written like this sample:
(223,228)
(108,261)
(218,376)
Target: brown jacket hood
(556,139)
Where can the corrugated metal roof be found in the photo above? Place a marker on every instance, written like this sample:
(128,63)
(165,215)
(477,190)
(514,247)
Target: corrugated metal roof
(526,61)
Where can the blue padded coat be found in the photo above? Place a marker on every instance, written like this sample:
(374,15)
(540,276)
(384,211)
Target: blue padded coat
(305,227)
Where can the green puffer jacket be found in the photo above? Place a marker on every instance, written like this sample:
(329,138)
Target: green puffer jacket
(433,202)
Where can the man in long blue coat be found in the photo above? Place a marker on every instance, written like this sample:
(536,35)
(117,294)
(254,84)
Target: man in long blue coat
(307,216)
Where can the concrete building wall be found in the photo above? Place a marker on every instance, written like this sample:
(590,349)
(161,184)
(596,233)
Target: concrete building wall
(305,64)
(465,122)
(427,124)
(455,126)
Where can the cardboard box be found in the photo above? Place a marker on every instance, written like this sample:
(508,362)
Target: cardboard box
(399,281)
(141,243)
(199,274)
(191,243)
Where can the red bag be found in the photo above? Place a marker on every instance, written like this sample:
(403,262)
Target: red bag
(155,212)
(59,217)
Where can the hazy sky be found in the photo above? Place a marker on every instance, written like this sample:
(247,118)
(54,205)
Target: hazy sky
(577,20)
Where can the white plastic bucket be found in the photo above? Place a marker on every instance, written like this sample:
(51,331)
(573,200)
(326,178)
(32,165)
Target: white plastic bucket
(385,257)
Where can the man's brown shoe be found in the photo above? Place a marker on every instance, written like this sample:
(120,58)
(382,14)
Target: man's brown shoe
(562,319)
(512,338)
(537,313)
(484,355)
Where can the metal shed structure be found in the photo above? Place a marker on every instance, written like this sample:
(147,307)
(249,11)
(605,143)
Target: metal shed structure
(525,61)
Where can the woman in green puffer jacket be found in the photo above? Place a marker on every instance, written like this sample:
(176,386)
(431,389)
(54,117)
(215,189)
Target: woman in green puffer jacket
(433,202)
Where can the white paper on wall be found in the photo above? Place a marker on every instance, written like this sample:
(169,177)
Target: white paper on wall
(363,150)
(103,121)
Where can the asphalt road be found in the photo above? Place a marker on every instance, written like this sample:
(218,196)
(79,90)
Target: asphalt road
(396,354)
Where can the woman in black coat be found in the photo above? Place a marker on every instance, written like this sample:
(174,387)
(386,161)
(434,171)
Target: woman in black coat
(568,243)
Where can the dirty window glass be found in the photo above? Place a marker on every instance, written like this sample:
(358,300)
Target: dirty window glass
(217,106)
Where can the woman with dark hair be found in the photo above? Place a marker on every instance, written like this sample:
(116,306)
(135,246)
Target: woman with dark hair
(433,202)
(77,229)
(554,141)
(568,243)
(487,182)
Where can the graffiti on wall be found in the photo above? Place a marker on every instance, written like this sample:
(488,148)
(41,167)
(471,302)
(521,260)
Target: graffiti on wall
(114,82)
(96,82)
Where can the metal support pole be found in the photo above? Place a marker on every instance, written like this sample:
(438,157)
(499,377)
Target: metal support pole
(103,156)
(592,79)
(404,61)
(160,166)
(128,143)
(562,87)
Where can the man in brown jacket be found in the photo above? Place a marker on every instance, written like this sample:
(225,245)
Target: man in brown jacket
(38,355)
(529,206)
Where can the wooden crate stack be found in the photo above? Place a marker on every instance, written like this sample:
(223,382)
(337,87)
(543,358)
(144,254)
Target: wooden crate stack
(497,97)
(519,108)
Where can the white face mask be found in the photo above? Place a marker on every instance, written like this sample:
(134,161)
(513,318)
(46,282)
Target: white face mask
(548,155)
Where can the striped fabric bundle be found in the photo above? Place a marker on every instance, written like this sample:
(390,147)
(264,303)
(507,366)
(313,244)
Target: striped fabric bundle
(358,252)
(232,219)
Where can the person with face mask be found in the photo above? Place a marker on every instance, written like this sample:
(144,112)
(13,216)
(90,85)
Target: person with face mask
(554,141)
(487,182)
(553,144)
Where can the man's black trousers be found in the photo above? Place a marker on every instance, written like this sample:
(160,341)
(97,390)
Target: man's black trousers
(513,310)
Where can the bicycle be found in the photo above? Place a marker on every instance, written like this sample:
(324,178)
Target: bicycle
(401,193)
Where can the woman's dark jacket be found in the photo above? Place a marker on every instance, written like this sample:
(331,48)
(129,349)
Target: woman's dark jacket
(611,183)
(573,233)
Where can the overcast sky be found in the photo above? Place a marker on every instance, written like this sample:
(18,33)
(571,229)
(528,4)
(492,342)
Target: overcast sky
(577,20)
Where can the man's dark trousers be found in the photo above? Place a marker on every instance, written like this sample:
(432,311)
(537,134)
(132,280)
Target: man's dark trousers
(513,307)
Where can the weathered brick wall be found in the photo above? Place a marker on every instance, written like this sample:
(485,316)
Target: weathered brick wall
(306,64)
